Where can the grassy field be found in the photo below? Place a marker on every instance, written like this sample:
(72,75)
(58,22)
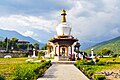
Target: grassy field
(17,68)
(12,60)
(7,66)
(110,59)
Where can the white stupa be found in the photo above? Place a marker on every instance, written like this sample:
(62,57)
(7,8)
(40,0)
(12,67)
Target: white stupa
(63,43)
(92,53)
(34,56)
(63,29)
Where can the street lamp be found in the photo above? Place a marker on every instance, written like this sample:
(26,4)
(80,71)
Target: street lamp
(12,48)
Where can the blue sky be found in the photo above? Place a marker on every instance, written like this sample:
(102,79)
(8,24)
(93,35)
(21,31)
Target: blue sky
(91,20)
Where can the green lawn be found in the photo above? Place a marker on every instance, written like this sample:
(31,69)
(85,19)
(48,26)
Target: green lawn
(12,60)
(110,66)
(110,59)
(8,65)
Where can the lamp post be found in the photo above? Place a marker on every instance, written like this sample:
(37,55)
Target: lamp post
(6,44)
(12,48)
(92,53)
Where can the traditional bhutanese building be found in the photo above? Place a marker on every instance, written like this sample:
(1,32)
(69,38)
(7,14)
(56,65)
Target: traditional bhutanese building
(64,44)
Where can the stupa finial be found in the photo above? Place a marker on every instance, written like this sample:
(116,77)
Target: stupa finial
(63,14)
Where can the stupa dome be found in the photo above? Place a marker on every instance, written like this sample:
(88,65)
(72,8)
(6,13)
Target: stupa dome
(63,29)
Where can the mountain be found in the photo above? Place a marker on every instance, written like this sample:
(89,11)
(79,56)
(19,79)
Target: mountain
(11,34)
(113,44)
(1,38)
(85,45)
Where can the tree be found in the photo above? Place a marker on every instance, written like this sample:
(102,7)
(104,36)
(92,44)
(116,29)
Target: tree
(7,44)
(22,46)
(14,42)
(36,45)
(44,47)
(1,44)
(105,51)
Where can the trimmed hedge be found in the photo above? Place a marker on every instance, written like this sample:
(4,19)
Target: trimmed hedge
(82,65)
(88,67)
(2,77)
(101,63)
(90,73)
(99,77)
(30,71)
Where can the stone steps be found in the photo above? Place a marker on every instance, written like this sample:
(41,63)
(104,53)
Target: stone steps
(63,62)
(63,58)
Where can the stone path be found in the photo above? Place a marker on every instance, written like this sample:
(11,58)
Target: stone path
(63,72)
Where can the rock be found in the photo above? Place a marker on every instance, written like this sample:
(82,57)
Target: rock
(8,56)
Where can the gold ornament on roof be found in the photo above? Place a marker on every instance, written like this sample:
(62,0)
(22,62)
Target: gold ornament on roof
(63,34)
(63,14)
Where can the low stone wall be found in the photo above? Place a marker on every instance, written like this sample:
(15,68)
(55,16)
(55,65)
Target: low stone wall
(14,55)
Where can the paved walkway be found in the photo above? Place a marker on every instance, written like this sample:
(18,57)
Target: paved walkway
(63,72)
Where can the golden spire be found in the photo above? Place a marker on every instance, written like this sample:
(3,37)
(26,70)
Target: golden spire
(63,14)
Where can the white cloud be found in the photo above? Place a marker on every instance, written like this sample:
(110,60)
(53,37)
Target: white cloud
(115,31)
(90,19)
(29,33)
(92,23)
(24,23)
(27,25)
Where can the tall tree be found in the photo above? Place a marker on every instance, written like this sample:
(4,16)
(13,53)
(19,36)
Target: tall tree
(14,43)
(44,47)
(36,45)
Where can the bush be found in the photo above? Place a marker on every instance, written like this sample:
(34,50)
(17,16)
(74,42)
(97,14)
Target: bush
(30,71)
(39,56)
(2,77)
(91,62)
(97,60)
(99,77)
(114,55)
(43,60)
(78,64)
(101,63)
(85,62)
(90,73)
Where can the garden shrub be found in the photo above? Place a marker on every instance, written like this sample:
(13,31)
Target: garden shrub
(79,64)
(43,60)
(101,63)
(24,72)
(85,62)
(114,62)
(97,60)
(90,73)
(99,77)
(88,67)
(39,56)
(2,77)
(30,71)
(114,55)
(91,62)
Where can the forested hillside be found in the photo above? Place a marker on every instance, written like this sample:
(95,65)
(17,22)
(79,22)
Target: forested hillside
(113,45)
